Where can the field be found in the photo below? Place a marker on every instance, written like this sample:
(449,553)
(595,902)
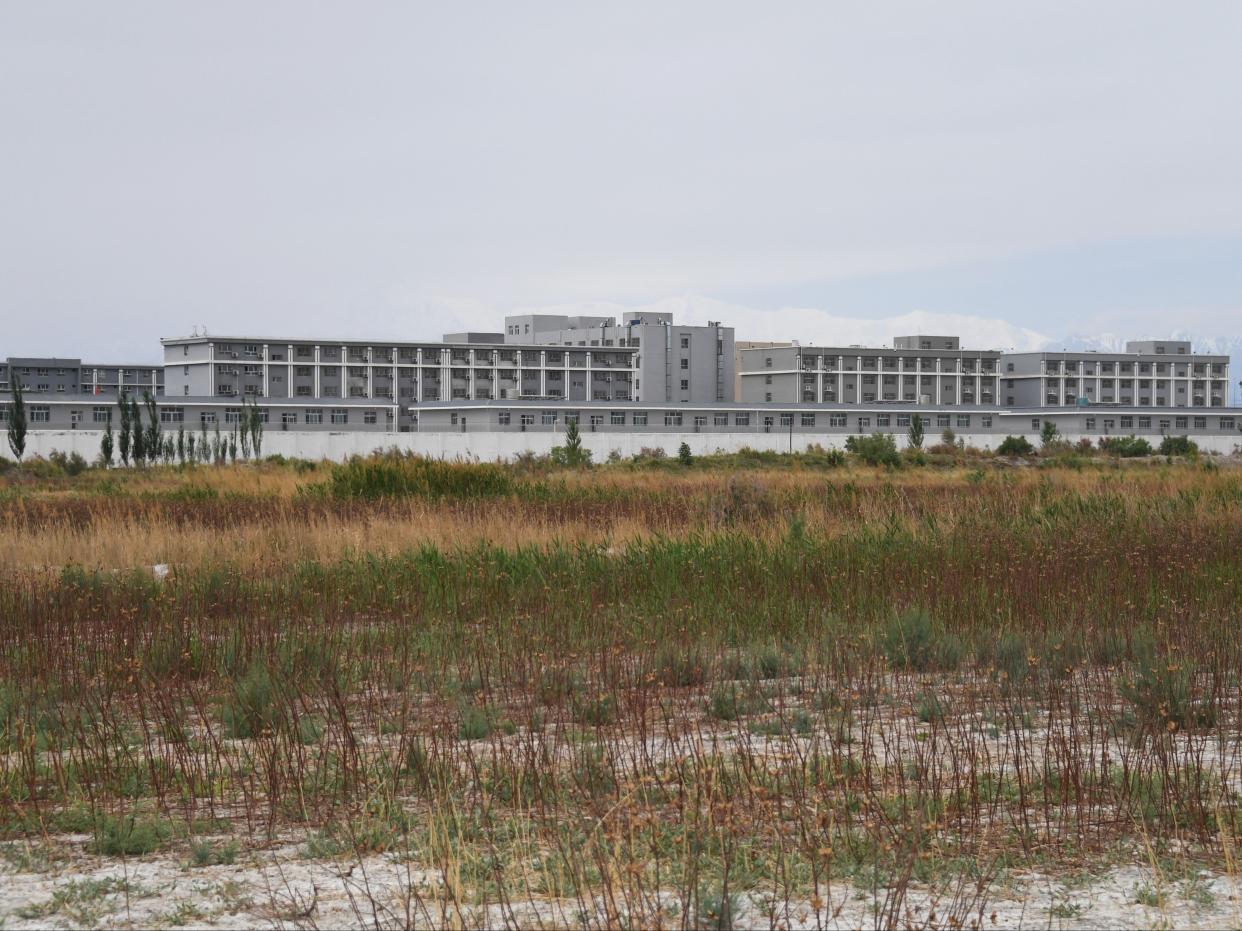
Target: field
(763,690)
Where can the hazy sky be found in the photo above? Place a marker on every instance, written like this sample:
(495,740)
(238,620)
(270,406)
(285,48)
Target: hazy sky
(372,169)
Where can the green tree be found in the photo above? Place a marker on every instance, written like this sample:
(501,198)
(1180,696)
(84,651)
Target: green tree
(573,453)
(683,454)
(915,436)
(181,443)
(256,430)
(244,430)
(155,438)
(17,420)
(138,443)
(126,428)
(190,451)
(1048,434)
(105,443)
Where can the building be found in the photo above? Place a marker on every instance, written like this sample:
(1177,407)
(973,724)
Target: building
(47,375)
(917,370)
(399,375)
(678,364)
(1150,373)
(831,424)
(741,344)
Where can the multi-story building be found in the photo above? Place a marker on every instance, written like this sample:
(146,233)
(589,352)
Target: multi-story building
(1150,373)
(46,375)
(401,375)
(678,364)
(918,369)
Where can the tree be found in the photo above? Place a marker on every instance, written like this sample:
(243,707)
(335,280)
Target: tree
(17,421)
(126,428)
(217,446)
(1048,434)
(181,443)
(915,436)
(155,439)
(190,452)
(683,454)
(138,444)
(256,430)
(233,447)
(244,430)
(1015,446)
(105,443)
(573,453)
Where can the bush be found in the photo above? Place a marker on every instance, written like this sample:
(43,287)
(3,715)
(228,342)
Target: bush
(1127,447)
(400,475)
(877,449)
(1178,446)
(73,464)
(1015,446)
(127,836)
(251,710)
(913,641)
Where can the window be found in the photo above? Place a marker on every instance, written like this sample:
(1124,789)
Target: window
(1164,426)
(528,420)
(903,420)
(942,420)
(639,419)
(987,420)
(672,418)
(685,384)
(340,415)
(767,379)
(767,423)
(314,415)
(40,413)
(1035,424)
(836,420)
(1091,423)
(685,364)
(963,420)
(548,418)
(700,420)
(185,349)
(1109,424)
(207,418)
(883,420)
(1226,423)
(288,418)
(685,343)
(767,362)
(169,414)
(786,420)
(101,414)
(808,420)
(597,420)
(617,418)
(1181,423)
(232,415)
(864,423)
(1200,423)
(720,420)
(1144,423)
(1127,423)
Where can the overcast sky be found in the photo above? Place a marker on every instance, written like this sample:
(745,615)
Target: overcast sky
(387,170)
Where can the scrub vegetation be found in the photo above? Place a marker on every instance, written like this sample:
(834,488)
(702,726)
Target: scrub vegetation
(668,693)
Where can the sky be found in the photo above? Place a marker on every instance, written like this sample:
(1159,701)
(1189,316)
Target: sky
(1021,172)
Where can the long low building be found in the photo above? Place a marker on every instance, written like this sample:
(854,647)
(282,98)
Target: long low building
(348,415)
(837,421)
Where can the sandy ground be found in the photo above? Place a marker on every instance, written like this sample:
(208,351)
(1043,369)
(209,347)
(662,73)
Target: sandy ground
(58,885)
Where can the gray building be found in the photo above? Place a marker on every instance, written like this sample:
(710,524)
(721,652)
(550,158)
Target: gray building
(917,370)
(94,412)
(1150,373)
(680,364)
(809,420)
(400,375)
(49,375)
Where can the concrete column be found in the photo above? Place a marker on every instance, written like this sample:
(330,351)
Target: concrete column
(264,370)
(316,371)
(543,373)
(211,371)
(344,372)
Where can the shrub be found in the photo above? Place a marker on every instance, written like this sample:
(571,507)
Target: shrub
(1178,446)
(1127,447)
(400,475)
(250,710)
(128,836)
(913,641)
(683,454)
(1015,446)
(877,449)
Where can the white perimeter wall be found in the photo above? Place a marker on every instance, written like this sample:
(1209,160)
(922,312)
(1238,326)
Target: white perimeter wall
(490,446)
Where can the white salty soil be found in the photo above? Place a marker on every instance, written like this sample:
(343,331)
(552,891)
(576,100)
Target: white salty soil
(58,885)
